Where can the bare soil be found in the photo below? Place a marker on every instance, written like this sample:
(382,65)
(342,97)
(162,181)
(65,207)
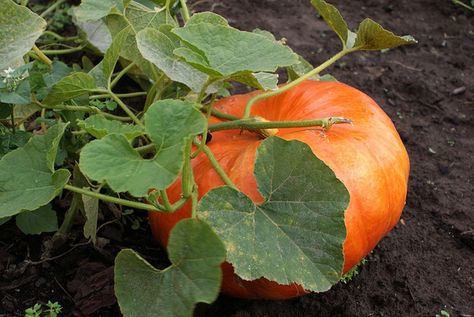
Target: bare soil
(425,265)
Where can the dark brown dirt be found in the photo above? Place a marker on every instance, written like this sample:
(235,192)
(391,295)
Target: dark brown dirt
(424,265)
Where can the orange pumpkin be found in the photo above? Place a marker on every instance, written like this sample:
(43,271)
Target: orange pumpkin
(367,156)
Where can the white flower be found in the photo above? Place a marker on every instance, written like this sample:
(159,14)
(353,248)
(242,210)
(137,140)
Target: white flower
(8,72)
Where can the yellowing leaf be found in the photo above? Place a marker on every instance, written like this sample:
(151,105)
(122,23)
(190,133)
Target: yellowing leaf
(296,235)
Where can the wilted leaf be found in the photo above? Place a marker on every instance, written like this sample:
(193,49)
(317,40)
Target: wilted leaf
(194,276)
(296,235)
(333,18)
(91,211)
(372,36)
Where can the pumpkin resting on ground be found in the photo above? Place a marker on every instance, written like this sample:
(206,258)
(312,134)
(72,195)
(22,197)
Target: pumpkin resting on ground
(367,156)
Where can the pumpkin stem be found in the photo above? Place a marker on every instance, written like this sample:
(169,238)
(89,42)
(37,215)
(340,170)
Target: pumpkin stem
(265,132)
(327,123)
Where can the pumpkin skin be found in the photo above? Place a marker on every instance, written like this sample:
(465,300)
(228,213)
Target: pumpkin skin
(367,156)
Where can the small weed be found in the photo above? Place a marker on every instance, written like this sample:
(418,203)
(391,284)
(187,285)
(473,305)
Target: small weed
(346,278)
(443,313)
(34,311)
(53,310)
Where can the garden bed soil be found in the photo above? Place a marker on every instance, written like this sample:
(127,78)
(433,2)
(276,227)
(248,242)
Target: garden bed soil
(425,265)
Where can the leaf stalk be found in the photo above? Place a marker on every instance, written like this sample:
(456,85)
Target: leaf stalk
(110,199)
(296,82)
(126,109)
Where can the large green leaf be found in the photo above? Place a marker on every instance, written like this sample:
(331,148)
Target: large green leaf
(27,176)
(99,126)
(194,276)
(296,235)
(137,17)
(69,87)
(223,50)
(372,36)
(158,48)
(37,221)
(19,29)
(112,159)
(93,10)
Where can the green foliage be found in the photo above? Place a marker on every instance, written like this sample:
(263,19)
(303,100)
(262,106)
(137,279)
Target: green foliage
(34,311)
(70,87)
(34,161)
(443,313)
(99,127)
(369,36)
(10,140)
(37,221)
(169,123)
(53,310)
(54,115)
(194,276)
(216,54)
(268,241)
(158,48)
(349,276)
(19,29)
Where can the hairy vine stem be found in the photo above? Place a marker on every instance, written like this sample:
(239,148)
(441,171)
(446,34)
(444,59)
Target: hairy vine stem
(184,10)
(121,74)
(256,123)
(126,109)
(82,109)
(215,164)
(124,95)
(110,199)
(65,51)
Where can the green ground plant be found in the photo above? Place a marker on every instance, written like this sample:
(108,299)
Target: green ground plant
(68,127)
